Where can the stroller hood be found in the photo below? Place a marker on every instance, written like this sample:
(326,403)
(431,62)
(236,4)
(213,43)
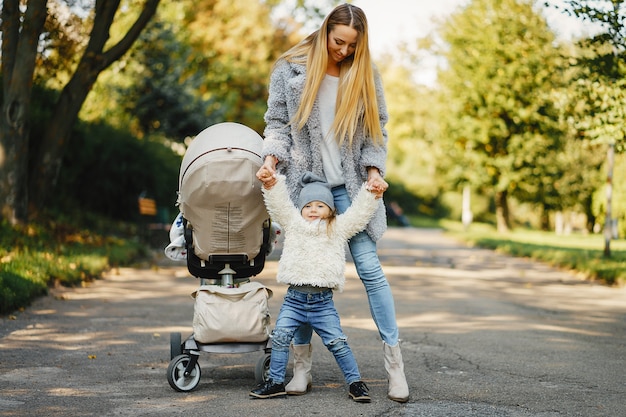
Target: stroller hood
(219,194)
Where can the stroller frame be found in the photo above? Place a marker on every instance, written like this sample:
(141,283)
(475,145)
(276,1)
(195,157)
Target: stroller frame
(223,269)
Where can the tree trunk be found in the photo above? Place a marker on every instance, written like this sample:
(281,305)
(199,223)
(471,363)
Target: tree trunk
(588,209)
(608,221)
(502,212)
(47,164)
(19,50)
(14,160)
(545,219)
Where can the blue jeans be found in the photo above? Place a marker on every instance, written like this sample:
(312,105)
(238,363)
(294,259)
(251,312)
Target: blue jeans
(363,250)
(318,311)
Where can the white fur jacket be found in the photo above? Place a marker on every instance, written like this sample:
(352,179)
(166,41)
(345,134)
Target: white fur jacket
(312,255)
(299,151)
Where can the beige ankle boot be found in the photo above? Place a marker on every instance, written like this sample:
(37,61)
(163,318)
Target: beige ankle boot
(301,382)
(398,388)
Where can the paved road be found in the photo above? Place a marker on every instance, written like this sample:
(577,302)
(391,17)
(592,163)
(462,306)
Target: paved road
(483,335)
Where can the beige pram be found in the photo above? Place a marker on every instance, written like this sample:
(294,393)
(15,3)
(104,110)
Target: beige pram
(227,235)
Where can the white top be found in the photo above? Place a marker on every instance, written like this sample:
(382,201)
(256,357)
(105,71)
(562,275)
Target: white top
(331,157)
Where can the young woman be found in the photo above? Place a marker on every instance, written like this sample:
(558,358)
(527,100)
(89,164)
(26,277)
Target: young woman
(312,264)
(326,114)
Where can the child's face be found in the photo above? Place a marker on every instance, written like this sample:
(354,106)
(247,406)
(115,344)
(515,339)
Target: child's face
(315,210)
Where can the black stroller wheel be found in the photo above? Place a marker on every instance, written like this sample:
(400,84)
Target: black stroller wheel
(176,374)
(262,370)
(176,347)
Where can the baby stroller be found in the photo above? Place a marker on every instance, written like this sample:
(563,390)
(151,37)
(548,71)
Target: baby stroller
(225,230)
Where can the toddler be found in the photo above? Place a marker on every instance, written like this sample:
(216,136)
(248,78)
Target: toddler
(313,265)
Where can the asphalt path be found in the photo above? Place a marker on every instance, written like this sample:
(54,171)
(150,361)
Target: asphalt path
(482,335)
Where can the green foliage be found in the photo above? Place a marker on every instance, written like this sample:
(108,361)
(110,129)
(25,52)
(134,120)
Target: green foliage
(199,63)
(604,104)
(17,291)
(609,42)
(165,99)
(581,253)
(601,83)
(35,257)
(106,169)
(235,45)
(413,204)
(63,39)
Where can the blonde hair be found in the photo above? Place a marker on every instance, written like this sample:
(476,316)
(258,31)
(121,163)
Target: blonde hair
(330,221)
(356,95)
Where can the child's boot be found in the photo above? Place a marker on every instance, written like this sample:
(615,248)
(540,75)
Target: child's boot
(301,382)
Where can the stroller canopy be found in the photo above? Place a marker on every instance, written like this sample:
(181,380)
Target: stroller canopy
(219,193)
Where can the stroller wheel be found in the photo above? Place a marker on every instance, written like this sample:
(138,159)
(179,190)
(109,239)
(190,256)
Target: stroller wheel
(176,374)
(262,370)
(176,347)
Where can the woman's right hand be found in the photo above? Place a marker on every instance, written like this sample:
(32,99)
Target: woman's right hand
(267,173)
(375,182)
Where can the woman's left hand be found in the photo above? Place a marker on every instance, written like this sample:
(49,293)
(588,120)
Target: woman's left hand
(375,182)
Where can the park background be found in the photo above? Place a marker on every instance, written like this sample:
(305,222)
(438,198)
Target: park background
(506,122)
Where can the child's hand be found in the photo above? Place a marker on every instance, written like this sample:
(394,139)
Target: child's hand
(267,173)
(375,183)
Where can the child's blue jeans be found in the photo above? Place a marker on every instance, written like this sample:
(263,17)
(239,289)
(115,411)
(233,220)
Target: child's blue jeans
(318,311)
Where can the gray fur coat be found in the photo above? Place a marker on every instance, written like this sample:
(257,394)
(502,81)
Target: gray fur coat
(299,151)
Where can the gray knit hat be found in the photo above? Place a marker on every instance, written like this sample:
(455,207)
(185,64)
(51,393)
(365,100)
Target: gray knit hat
(315,188)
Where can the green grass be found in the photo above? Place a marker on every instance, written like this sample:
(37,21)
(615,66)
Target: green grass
(36,257)
(583,253)
(424,222)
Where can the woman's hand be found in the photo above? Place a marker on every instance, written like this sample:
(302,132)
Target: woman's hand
(375,182)
(267,173)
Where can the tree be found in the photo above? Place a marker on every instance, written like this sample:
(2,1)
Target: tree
(24,186)
(604,85)
(20,35)
(502,128)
